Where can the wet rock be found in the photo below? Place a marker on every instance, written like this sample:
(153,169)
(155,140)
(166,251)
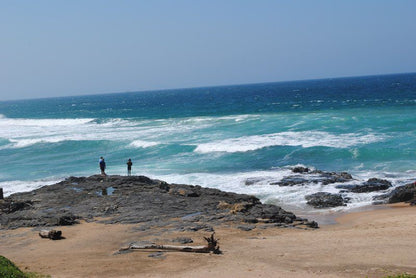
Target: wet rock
(325,200)
(371,185)
(251,181)
(375,184)
(300,170)
(312,224)
(333,177)
(291,181)
(403,193)
(380,199)
(316,177)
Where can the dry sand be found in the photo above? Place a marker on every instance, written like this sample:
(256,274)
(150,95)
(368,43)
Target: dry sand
(372,243)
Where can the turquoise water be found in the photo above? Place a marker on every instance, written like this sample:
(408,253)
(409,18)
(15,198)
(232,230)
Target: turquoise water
(219,136)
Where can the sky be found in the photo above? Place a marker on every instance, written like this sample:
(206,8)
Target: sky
(64,48)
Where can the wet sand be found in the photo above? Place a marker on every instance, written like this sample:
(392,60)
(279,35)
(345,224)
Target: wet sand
(372,243)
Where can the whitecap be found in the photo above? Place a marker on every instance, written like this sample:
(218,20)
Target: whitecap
(305,139)
(142,144)
(4,121)
(22,143)
(10,187)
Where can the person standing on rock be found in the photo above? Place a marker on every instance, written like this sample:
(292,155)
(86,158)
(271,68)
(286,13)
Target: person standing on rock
(102,166)
(129,164)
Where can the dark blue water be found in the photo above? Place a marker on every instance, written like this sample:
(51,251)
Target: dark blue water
(326,94)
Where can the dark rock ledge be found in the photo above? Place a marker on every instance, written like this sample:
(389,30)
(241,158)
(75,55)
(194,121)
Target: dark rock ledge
(140,200)
(405,193)
(326,200)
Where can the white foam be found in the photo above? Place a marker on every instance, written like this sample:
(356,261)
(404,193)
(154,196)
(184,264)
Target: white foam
(117,122)
(141,133)
(305,139)
(28,142)
(262,188)
(232,118)
(10,187)
(289,197)
(26,132)
(42,122)
(142,144)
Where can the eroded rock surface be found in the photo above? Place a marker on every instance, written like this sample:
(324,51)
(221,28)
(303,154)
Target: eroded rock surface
(136,199)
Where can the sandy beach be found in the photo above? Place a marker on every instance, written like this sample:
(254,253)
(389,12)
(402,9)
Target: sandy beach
(373,243)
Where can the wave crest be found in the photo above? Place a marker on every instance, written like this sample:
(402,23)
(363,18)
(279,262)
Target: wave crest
(142,144)
(4,121)
(305,139)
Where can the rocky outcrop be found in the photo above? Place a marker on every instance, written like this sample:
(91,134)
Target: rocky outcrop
(405,193)
(333,177)
(371,185)
(306,176)
(293,180)
(300,169)
(325,200)
(136,199)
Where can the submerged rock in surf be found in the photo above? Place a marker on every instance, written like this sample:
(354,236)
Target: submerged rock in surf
(317,176)
(293,180)
(300,169)
(325,200)
(371,185)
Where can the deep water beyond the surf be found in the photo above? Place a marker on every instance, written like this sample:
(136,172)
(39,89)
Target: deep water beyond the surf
(220,136)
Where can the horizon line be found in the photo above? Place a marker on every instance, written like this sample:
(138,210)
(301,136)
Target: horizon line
(207,86)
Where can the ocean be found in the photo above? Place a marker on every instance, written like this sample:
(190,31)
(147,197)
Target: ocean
(220,136)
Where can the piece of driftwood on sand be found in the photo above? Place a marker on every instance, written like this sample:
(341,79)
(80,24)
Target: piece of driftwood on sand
(212,246)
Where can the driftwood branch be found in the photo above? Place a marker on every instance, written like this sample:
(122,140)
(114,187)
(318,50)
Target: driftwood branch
(51,234)
(212,246)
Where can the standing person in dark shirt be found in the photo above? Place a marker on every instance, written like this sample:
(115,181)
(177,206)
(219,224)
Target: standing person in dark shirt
(129,164)
(102,166)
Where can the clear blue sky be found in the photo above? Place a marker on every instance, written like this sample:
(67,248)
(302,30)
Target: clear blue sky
(61,48)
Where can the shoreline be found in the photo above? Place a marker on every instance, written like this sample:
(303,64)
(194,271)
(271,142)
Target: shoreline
(371,243)
(326,217)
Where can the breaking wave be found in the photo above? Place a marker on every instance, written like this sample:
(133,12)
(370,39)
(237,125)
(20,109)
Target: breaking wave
(305,139)
(142,144)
